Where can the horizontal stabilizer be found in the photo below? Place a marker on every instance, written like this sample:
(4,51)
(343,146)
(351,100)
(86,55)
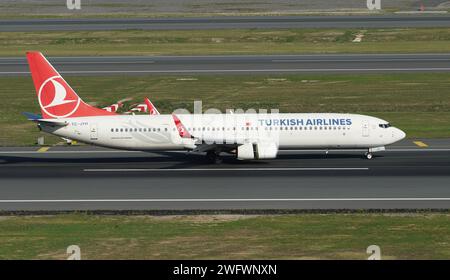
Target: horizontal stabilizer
(31,116)
(38,119)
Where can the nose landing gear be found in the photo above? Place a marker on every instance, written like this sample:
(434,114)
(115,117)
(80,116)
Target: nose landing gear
(368,155)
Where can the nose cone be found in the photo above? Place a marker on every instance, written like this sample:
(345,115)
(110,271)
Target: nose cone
(398,134)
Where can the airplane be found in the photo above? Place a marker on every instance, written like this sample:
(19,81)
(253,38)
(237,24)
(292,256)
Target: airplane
(142,108)
(113,107)
(255,136)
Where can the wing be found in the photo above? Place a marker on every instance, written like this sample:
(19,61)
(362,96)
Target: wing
(245,147)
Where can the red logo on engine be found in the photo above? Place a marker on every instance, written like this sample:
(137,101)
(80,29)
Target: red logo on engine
(57,99)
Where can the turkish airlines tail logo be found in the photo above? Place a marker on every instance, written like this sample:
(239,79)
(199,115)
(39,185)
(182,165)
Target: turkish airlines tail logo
(59,97)
(56,98)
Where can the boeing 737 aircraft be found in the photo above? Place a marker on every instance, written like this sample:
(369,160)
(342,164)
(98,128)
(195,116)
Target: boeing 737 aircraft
(248,136)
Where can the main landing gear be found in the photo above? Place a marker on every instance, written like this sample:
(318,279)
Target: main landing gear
(214,157)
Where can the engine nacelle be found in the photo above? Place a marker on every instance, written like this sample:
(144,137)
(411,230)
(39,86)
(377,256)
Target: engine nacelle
(266,150)
(245,151)
(257,151)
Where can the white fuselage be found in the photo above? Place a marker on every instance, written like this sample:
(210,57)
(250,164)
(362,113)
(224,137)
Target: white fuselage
(288,131)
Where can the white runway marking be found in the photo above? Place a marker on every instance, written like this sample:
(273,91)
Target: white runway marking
(235,56)
(222,169)
(227,200)
(242,70)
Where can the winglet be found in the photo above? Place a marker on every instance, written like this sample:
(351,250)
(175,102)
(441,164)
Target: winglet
(182,131)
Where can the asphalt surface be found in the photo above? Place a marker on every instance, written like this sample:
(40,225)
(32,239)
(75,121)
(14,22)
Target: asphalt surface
(370,21)
(245,64)
(407,175)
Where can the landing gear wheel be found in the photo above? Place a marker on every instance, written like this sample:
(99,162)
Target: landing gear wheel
(214,157)
(368,155)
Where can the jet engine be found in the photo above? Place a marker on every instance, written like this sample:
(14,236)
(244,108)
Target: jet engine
(257,151)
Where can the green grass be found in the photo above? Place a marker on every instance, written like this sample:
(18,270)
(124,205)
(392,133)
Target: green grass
(312,236)
(232,41)
(418,103)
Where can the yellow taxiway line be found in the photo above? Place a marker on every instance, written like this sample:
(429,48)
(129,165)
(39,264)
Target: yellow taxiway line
(420,144)
(43,149)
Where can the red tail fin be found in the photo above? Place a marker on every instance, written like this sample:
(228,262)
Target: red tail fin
(151,108)
(56,98)
(182,131)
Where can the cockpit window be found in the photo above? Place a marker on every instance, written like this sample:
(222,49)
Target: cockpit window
(384,125)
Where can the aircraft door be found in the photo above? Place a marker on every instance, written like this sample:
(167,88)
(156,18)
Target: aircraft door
(365,129)
(94,131)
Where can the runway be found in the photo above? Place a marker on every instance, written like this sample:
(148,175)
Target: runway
(407,175)
(369,21)
(243,64)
